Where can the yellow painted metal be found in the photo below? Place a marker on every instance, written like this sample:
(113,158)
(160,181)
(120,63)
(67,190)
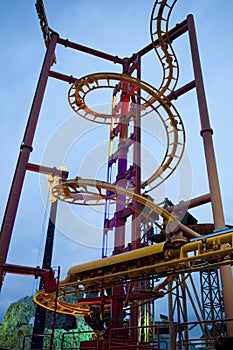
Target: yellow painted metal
(152,101)
(54,180)
(159,30)
(164,259)
(160,260)
(155,100)
(116,261)
(88,191)
(48,301)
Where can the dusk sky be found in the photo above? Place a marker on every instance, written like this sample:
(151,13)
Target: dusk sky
(62,138)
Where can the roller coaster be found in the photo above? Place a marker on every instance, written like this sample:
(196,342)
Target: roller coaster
(168,258)
(182,249)
(156,261)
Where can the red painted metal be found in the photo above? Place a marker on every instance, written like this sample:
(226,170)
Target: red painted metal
(22,270)
(47,170)
(182,90)
(174,33)
(119,241)
(136,218)
(136,224)
(206,131)
(117,313)
(194,202)
(216,200)
(26,149)
(50,282)
(94,300)
(105,56)
(67,78)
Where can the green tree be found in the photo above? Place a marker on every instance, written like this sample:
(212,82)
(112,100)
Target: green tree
(16,325)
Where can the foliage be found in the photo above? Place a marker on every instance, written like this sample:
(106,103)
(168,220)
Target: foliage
(71,339)
(16,325)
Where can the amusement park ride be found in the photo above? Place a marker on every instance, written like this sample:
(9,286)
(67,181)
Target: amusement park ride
(143,269)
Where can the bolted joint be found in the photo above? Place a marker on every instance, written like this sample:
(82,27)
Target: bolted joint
(23,145)
(206,130)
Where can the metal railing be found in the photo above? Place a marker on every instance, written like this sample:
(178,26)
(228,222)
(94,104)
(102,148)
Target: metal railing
(76,339)
(163,335)
(29,337)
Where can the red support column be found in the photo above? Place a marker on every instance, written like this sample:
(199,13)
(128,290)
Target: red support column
(216,200)
(25,150)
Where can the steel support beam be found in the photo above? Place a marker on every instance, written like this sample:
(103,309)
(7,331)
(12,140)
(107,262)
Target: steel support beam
(100,54)
(216,200)
(25,150)
(40,315)
(47,170)
(22,270)
(174,33)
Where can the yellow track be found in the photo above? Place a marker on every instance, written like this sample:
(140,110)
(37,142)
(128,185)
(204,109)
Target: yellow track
(161,260)
(92,192)
(155,101)
(159,29)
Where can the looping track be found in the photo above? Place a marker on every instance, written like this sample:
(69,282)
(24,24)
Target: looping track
(159,26)
(155,101)
(92,192)
(48,300)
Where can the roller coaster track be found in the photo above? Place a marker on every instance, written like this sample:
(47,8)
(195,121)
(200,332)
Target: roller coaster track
(159,29)
(92,192)
(155,101)
(165,259)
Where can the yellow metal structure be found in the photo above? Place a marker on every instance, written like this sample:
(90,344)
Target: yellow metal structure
(159,260)
(153,101)
(54,181)
(93,192)
(159,30)
(165,259)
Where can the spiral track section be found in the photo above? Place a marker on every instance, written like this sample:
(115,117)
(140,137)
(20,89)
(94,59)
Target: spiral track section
(92,192)
(159,29)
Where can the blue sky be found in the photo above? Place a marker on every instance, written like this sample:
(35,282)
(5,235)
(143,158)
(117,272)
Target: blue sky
(119,28)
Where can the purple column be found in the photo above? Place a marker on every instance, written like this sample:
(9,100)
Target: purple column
(25,150)
(136,217)
(119,241)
